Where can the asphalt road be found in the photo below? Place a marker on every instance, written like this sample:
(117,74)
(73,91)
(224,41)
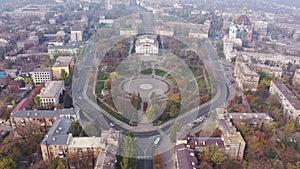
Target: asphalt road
(92,114)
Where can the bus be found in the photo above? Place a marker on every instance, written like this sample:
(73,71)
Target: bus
(156,141)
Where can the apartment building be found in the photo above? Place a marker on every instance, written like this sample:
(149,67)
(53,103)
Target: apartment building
(41,75)
(296,77)
(245,77)
(43,118)
(290,103)
(185,157)
(71,50)
(76,33)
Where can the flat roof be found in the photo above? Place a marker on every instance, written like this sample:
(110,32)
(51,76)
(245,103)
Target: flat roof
(63,61)
(39,114)
(41,70)
(288,94)
(58,133)
(84,142)
(51,89)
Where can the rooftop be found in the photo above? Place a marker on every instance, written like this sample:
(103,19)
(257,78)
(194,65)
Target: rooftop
(39,114)
(58,133)
(288,94)
(84,142)
(63,61)
(22,104)
(73,46)
(186,158)
(206,141)
(41,70)
(249,116)
(51,89)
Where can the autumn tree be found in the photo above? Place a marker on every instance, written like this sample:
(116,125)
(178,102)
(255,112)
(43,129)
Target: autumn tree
(75,128)
(8,163)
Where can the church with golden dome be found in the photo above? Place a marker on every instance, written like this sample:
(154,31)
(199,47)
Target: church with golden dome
(241,27)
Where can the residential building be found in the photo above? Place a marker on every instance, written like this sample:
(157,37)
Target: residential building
(228,47)
(273,71)
(65,50)
(290,103)
(30,10)
(76,33)
(296,78)
(63,63)
(274,59)
(44,118)
(245,77)
(50,94)
(128,32)
(256,119)
(59,142)
(233,141)
(146,44)
(12,72)
(185,157)
(41,75)
(22,104)
(165,31)
(198,34)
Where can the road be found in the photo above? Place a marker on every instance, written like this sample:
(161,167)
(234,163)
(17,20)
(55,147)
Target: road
(92,115)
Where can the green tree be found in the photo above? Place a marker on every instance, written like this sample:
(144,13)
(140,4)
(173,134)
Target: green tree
(8,163)
(217,156)
(174,111)
(289,128)
(173,133)
(75,128)
(41,37)
(28,80)
(68,102)
(37,100)
(128,152)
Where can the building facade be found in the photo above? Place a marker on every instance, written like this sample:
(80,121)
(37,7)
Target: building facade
(245,77)
(49,96)
(146,44)
(296,77)
(290,103)
(41,75)
(63,63)
(241,28)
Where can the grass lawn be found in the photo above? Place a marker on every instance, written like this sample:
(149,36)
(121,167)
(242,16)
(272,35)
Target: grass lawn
(201,82)
(159,72)
(102,76)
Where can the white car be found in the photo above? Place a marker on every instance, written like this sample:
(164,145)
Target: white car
(79,97)
(111,124)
